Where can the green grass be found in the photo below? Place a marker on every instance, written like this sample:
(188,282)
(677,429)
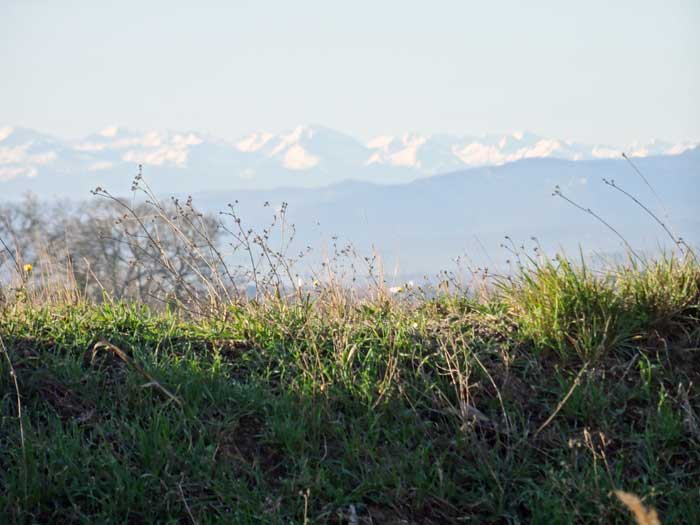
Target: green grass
(528,406)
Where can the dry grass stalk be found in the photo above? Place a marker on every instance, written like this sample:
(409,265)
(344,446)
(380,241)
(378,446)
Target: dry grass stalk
(642,515)
(690,419)
(13,374)
(561,404)
(118,352)
(187,507)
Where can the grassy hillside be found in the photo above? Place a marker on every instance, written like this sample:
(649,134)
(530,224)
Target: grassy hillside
(529,403)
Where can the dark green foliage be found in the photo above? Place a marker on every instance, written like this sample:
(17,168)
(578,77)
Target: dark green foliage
(446,410)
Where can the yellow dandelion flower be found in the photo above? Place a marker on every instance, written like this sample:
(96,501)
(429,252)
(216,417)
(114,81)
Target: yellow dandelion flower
(27,268)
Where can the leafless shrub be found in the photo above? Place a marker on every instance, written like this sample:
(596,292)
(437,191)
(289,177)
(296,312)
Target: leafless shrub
(147,250)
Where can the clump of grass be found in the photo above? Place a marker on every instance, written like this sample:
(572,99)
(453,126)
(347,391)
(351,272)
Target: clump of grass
(574,310)
(567,308)
(664,294)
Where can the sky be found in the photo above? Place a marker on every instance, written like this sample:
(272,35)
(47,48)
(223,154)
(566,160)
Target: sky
(593,71)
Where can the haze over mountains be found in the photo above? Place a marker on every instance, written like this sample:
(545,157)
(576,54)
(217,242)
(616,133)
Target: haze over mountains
(308,156)
(419,201)
(420,227)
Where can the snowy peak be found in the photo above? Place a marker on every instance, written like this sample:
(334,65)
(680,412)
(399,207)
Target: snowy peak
(439,153)
(253,142)
(288,148)
(5,132)
(151,148)
(24,152)
(399,151)
(304,147)
(305,155)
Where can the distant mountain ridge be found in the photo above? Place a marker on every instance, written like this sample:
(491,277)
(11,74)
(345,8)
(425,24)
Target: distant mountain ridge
(307,156)
(421,226)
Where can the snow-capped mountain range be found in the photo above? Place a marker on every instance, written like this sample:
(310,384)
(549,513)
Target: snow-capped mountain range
(307,156)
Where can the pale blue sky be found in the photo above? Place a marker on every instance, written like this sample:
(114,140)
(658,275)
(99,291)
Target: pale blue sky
(592,71)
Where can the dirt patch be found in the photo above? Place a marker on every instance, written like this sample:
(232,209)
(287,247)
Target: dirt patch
(245,444)
(65,401)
